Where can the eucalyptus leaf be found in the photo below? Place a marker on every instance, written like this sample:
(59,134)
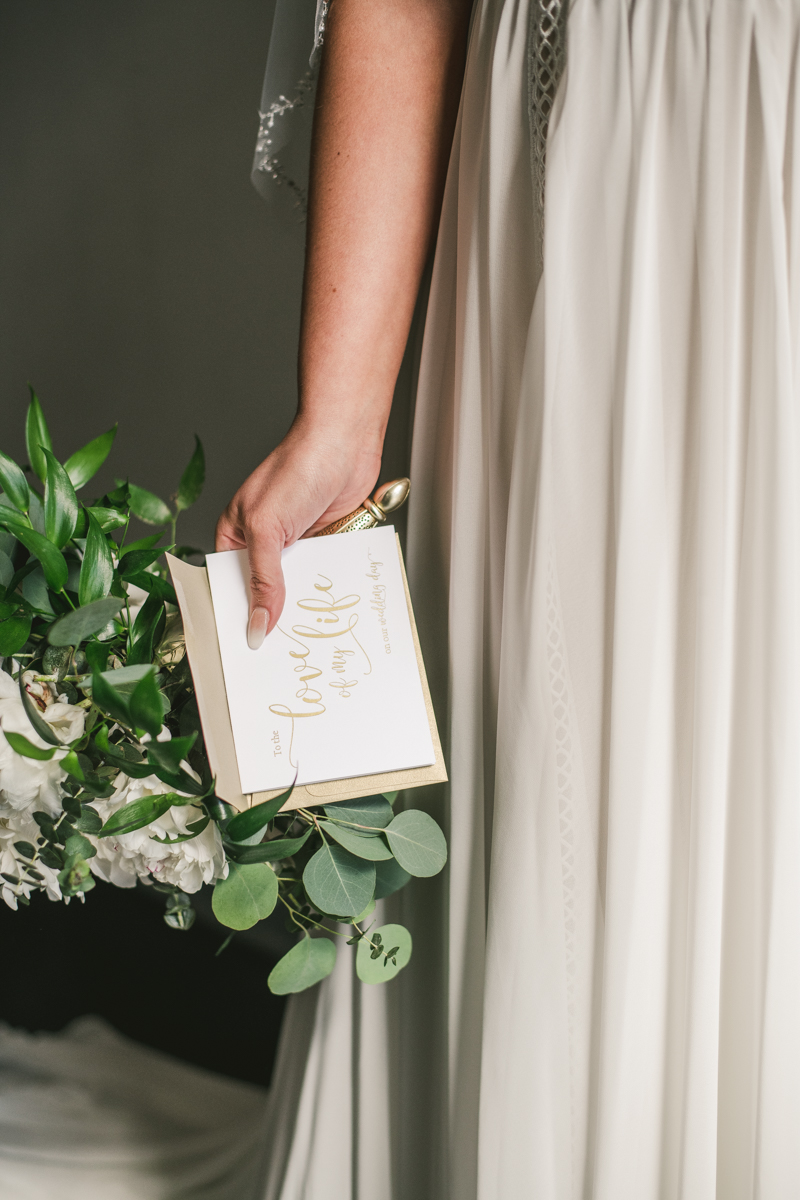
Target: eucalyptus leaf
(193,478)
(14,633)
(89,821)
(272,851)
(395,938)
(248,895)
(372,848)
(371,812)
(124,679)
(337,882)
(97,568)
(20,745)
(14,483)
(148,507)
(253,820)
(37,436)
(310,961)
(53,562)
(417,843)
(79,846)
(389,878)
(60,503)
(73,628)
(87,461)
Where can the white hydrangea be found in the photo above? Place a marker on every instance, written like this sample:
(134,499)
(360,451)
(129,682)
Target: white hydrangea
(27,785)
(187,865)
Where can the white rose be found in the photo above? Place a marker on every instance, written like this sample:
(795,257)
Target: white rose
(187,865)
(19,827)
(25,783)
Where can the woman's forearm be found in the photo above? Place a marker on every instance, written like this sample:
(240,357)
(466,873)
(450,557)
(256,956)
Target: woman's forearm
(386,108)
(387,103)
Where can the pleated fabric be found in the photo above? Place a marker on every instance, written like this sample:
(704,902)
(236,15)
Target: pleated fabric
(604,553)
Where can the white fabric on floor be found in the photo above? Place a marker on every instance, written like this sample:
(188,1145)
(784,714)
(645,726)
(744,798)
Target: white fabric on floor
(87,1114)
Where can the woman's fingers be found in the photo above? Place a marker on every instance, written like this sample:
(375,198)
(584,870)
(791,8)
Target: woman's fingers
(267,589)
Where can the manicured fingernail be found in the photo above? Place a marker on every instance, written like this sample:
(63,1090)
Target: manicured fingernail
(257,628)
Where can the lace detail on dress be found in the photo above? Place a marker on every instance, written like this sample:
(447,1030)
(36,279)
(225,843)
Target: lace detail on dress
(546,58)
(564,756)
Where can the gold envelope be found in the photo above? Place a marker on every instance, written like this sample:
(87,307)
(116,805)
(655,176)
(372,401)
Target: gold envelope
(202,646)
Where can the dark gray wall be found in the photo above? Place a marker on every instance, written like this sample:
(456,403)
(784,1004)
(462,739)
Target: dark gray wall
(138,266)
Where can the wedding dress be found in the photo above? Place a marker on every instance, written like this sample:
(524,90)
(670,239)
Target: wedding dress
(604,552)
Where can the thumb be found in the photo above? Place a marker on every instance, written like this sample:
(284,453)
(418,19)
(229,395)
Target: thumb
(267,589)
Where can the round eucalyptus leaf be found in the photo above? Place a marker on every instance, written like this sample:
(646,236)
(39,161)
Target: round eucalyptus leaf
(389,878)
(337,882)
(373,966)
(417,843)
(370,812)
(247,896)
(306,964)
(369,847)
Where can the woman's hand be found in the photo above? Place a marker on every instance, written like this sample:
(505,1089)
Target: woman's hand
(312,478)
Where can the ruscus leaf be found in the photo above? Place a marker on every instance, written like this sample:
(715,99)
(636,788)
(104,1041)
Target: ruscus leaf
(87,461)
(53,562)
(37,436)
(97,568)
(145,705)
(148,507)
(60,503)
(193,478)
(20,745)
(253,820)
(14,633)
(14,483)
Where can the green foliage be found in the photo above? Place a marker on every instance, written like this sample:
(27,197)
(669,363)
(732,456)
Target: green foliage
(37,436)
(382,955)
(60,503)
(67,629)
(81,623)
(97,568)
(14,483)
(21,745)
(417,843)
(337,882)
(310,961)
(363,846)
(247,896)
(193,478)
(85,463)
(253,820)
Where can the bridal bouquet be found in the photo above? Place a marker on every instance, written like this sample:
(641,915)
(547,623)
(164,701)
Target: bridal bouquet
(103,771)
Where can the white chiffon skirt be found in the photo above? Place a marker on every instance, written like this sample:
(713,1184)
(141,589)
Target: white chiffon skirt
(604,555)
